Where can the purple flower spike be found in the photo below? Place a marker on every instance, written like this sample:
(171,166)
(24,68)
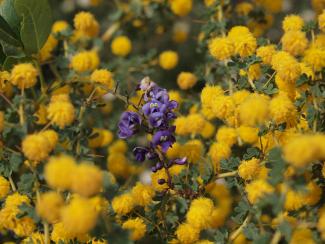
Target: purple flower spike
(129,124)
(164,138)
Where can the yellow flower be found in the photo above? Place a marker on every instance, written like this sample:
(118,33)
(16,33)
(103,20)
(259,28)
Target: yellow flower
(194,123)
(227,135)
(249,169)
(273,6)
(23,75)
(244,8)
(118,164)
(142,194)
(315,58)
(257,189)
(118,146)
(174,151)
(248,134)
(286,66)
(187,234)
(266,53)
(302,150)
(282,110)
(207,130)
(175,96)
(61,113)
(223,107)
(200,212)
(59,26)
(243,40)
(192,150)
(4,187)
(51,136)
(123,204)
(254,72)
(294,42)
(102,139)
(103,77)
(302,235)
(137,228)
(219,151)
(121,46)
(49,205)
(168,60)
(181,124)
(36,147)
(58,172)
(85,61)
(254,110)
(4,78)
(221,48)
(87,180)
(79,216)
(85,23)
(186,80)
(292,23)
(35,238)
(59,233)
(181,7)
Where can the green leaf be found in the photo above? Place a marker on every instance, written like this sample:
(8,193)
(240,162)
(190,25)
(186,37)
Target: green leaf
(8,12)
(2,55)
(7,34)
(36,23)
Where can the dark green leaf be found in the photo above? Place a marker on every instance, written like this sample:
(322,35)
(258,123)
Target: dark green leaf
(7,11)
(36,23)
(7,34)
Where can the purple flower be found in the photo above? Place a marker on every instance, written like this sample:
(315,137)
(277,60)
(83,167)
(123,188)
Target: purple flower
(140,153)
(128,124)
(180,161)
(164,138)
(146,84)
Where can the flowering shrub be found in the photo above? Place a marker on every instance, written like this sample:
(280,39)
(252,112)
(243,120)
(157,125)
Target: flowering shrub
(162,121)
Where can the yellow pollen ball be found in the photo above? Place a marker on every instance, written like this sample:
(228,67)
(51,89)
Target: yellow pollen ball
(79,216)
(187,234)
(49,205)
(85,61)
(87,180)
(121,46)
(142,194)
(221,48)
(58,172)
(168,60)
(292,23)
(137,227)
(86,23)
(181,7)
(186,80)
(23,76)
(123,204)
(4,187)
(36,147)
(61,113)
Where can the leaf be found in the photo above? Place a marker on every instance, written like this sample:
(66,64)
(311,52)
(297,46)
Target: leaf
(7,34)
(2,55)
(36,23)
(8,12)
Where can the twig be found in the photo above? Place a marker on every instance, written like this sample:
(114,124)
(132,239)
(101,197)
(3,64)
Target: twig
(228,174)
(234,235)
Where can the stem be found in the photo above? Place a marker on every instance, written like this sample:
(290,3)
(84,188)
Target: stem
(12,184)
(110,31)
(8,101)
(276,238)
(43,88)
(268,81)
(46,233)
(228,174)
(21,107)
(234,235)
